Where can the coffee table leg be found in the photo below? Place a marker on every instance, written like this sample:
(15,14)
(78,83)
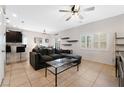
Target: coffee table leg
(46,71)
(55,77)
(116,68)
(77,67)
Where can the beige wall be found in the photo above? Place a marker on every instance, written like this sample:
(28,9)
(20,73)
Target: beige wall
(110,26)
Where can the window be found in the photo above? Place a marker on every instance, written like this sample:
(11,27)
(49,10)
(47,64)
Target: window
(89,41)
(83,41)
(103,40)
(95,41)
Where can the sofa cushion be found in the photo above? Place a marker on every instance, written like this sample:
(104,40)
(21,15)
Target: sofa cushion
(66,51)
(50,51)
(72,56)
(36,49)
(44,51)
(56,56)
(57,51)
(46,58)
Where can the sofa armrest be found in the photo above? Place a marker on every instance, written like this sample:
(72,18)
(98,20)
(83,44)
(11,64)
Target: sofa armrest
(35,60)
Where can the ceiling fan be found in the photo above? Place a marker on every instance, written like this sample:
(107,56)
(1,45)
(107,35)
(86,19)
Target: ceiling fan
(44,32)
(75,10)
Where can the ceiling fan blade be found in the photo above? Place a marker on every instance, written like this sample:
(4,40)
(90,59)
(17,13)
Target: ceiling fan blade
(77,8)
(4,9)
(64,11)
(89,9)
(68,18)
(81,17)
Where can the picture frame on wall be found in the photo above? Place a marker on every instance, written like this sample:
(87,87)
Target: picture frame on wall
(38,40)
(46,40)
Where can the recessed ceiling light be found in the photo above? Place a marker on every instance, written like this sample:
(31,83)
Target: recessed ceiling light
(14,15)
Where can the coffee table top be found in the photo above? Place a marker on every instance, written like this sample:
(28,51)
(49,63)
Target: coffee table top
(60,62)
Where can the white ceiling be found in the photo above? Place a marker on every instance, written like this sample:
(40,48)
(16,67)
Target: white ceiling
(40,17)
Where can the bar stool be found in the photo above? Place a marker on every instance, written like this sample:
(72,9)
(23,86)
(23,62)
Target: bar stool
(20,49)
(8,50)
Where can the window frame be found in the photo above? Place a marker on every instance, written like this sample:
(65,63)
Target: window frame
(92,41)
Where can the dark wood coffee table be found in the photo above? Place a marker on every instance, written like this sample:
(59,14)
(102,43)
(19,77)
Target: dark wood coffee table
(60,65)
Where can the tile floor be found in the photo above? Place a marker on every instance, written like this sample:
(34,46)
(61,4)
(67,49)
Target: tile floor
(90,74)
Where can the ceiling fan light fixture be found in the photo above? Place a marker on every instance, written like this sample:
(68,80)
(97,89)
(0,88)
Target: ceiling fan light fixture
(75,12)
(44,31)
(77,7)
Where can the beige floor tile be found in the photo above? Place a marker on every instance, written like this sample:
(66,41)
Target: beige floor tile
(30,70)
(34,76)
(18,76)
(6,81)
(106,76)
(5,85)
(8,68)
(89,74)
(7,74)
(17,71)
(18,80)
(14,68)
(108,73)
(80,83)
(27,84)
(40,82)
(106,85)
(20,85)
(106,82)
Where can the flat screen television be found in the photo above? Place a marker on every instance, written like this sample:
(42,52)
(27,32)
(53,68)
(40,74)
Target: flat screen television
(14,37)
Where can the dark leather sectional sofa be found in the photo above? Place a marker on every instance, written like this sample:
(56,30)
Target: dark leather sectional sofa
(40,55)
